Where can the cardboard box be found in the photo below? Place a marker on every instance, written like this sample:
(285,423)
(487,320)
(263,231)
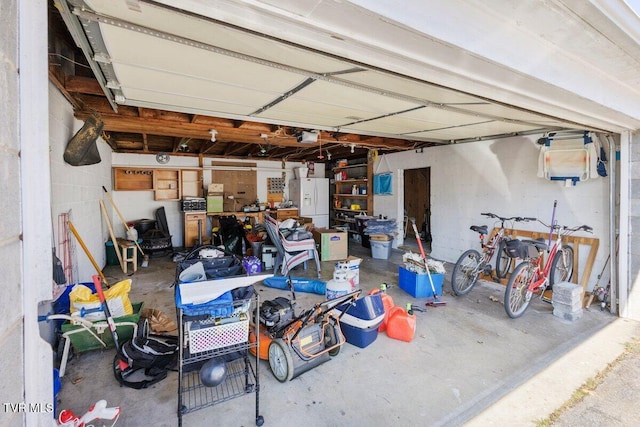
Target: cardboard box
(333,243)
(215,204)
(380,237)
(353,267)
(215,189)
(418,284)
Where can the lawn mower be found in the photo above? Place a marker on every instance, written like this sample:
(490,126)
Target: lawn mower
(295,344)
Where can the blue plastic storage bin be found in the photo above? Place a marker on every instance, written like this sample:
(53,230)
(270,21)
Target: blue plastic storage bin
(418,284)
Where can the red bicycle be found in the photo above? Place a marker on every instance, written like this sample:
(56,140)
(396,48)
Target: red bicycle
(472,263)
(531,277)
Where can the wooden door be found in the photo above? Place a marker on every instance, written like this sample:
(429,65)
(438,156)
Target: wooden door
(417,183)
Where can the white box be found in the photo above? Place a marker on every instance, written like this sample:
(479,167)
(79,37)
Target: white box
(269,254)
(215,189)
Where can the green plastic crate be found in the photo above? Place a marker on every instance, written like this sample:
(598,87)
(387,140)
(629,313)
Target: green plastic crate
(82,340)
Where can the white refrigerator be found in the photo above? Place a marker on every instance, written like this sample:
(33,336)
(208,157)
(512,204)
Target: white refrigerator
(311,196)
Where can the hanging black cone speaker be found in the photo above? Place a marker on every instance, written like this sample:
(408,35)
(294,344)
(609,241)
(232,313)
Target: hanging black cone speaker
(82,149)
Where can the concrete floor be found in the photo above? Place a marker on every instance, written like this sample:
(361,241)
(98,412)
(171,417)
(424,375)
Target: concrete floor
(464,358)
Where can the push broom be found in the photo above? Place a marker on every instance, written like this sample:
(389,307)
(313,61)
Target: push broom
(436,301)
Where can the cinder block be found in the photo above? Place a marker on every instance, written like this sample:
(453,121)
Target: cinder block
(563,298)
(570,306)
(568,315)
(566,291)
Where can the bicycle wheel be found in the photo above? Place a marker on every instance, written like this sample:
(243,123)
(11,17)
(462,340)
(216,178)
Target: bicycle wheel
(517,296)
(561,266)
(503,260)
(465,272)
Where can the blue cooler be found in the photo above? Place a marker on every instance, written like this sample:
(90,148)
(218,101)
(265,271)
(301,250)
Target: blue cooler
(360,322)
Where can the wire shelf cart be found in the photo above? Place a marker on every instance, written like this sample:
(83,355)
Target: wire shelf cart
(218,334)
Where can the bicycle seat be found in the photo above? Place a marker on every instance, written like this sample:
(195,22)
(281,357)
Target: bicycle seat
(540,245)
(482,229)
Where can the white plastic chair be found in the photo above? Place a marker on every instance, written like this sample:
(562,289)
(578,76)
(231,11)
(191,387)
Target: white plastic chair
(290,253)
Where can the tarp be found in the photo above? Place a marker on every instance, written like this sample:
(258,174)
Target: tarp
(300,284)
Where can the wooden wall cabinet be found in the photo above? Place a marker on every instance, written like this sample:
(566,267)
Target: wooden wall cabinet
(136,179)
(166,183)
(192,184)
(194,222)
(353,194)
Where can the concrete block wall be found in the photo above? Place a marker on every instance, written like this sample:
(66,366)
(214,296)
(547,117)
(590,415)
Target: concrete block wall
(498,176)
(136,205)
(11,326)
(78,189)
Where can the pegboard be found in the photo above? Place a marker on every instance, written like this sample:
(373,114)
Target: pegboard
(275,189)
(275,185)
(239,181)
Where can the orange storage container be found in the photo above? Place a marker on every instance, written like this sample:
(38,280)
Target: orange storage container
(401,325)
(387,302)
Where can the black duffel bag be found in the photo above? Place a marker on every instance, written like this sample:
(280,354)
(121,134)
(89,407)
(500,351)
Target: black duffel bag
(523,250)
(152,357)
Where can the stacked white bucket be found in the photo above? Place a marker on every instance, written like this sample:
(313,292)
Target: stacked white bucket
(343,281)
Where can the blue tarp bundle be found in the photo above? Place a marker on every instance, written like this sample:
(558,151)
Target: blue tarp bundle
(300,284)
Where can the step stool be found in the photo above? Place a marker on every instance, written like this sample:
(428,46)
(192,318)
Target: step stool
(129,254)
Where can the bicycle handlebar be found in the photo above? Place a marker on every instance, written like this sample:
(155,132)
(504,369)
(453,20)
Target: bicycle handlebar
(557,227)
(522,219)
(513,218)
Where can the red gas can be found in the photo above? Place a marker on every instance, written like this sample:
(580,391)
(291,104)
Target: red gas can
(401,325)
(387,302)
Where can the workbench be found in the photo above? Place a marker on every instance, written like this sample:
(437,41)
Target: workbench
(256,217)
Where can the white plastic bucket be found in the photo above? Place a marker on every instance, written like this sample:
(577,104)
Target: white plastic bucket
(132,234)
